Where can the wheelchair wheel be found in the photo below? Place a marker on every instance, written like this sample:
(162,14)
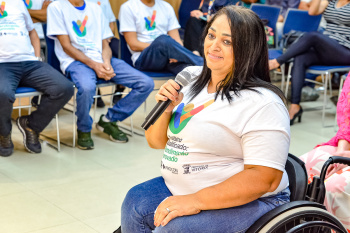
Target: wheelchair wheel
(294,217)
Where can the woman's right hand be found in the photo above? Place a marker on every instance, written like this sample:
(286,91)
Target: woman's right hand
(196,13)
(169,91)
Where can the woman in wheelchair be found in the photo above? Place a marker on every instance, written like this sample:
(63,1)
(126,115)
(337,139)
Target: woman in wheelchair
(225,139)
(337,199)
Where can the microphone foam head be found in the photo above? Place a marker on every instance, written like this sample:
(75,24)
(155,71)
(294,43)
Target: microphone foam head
(183,78)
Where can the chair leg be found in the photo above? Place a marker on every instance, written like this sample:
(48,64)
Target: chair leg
(325,82)
(30,103)
(74,117)
(131,126)
(58,135)
(330,85)
(112,96)
(95,105)
(19,110)
(283,76)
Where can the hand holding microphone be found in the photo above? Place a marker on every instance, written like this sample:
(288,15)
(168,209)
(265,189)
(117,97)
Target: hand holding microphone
(167,97)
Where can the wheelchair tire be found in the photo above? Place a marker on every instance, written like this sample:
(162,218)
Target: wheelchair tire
(291,218)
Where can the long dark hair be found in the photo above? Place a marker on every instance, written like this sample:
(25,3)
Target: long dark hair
(250,69)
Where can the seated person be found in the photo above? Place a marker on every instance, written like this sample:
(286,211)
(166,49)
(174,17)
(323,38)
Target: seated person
(20,65)
(337,200)
(81,34)
(150,28)
(314,48)
(37,11)
(196,24)
(230,181)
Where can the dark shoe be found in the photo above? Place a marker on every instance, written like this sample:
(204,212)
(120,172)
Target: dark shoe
(100,103)
(35,101)
(111,128)
(119,230)
(30,137)
(116,98)
(6,145)
(85,141)
(297,115)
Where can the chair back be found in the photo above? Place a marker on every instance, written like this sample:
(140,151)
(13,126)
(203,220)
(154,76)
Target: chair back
(185,9)
(269,13)
(299,20)
(124,52)
(50,51)
(297,176)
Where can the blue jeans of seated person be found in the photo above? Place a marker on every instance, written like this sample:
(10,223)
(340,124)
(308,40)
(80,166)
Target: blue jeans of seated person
(142,200)
(85,80)
(156,56)
(56,89)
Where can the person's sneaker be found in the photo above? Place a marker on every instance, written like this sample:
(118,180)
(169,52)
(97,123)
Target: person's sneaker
(6,145)
(111,128)
(30,137)
(85,141)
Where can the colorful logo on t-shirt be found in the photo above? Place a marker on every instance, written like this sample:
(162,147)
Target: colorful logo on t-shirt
(28,3)
(99,3)
(184,114)
(150,22)
(3,13)
(79,27)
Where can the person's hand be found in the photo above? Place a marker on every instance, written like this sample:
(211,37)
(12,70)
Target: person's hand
(280,18)
(334,168)
(177,206)
(103,71)
(169,91)
(46,3)
(172,60)
(196,13)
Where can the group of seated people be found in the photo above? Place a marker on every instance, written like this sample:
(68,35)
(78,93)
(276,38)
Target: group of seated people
(230,182)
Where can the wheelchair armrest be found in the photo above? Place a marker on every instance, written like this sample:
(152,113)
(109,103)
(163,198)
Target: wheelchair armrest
(266,218)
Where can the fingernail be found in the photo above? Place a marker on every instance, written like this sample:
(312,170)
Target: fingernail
(163,223)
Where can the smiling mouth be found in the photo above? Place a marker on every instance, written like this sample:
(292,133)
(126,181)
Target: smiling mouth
(212,56)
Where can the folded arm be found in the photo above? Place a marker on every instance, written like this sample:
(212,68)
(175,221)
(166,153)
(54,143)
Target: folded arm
(134,43)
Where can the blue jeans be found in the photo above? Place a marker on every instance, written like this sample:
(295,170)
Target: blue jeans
(156,56)
(56,89)
(142,200)
(85,80)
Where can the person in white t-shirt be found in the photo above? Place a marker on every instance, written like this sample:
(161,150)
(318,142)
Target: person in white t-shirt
(150,28)
(37,10)
(19,66)
(81,34)
(225,138)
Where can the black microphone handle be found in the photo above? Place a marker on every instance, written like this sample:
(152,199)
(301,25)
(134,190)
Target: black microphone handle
(156,112)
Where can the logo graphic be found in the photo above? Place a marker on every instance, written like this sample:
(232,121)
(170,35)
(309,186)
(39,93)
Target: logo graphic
(3,13)
(150,22)
(187,169)
(79,27)
(99,3)
(28,3)
(183,115)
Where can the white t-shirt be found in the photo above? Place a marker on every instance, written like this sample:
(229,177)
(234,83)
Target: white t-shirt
(36,5)
(106,9)
(147,22)
(86,29)
(15,25)
(209,142)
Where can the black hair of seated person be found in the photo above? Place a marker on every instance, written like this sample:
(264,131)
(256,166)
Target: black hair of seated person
(250,69)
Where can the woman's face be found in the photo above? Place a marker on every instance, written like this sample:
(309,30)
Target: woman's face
(218,50)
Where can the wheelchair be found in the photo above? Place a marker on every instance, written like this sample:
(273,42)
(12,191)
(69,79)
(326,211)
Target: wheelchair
(305,213)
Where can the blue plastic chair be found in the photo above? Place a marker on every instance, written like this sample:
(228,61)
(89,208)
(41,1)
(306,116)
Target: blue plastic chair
(326,72)
(22,92)
(185,9)
(269,13)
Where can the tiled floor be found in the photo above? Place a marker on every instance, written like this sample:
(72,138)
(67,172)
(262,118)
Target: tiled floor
(77,191)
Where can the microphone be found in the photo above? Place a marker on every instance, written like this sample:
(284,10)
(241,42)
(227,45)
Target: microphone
(183,79)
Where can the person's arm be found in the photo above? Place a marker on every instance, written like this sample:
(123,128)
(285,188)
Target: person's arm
(77,55)
(34,38)
(40,15)
(175,35)
(304,6)
(196,13)
(112,27)
(317,7)
(134,43)
(156,135)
